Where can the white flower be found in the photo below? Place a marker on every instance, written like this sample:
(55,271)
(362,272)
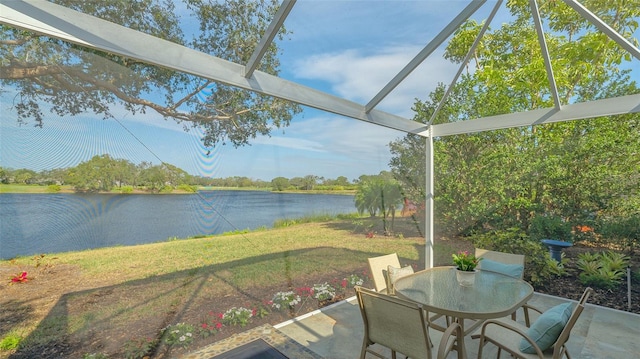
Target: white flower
(182,338)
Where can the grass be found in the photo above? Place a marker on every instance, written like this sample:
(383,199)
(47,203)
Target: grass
(128,289)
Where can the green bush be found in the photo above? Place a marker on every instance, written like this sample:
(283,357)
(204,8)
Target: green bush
(188,188)
(10,341)
(624,231)
(126,189)
(54,188)
(551,227)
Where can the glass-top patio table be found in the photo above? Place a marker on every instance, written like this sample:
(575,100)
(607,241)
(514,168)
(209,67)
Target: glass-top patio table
(492,296)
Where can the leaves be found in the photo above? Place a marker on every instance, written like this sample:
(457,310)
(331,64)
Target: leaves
(72,80)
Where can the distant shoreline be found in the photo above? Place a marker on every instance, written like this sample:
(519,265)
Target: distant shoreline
(37,189)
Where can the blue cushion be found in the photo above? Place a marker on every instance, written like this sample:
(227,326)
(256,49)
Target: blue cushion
(547,328)
(513,270)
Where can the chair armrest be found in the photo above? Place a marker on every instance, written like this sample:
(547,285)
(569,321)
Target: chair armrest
(512,328)
(445,346)
(525,308)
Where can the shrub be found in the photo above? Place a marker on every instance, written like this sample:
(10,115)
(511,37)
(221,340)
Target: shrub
(10,341)
(210,325)
(54,188)
(323,291)
(237,316)
(354,280)
(602,270)
(180,334)
(622,231)
(126,189)
(285,300)
(551,227)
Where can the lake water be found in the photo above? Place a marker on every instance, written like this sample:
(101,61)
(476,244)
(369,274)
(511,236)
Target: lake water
(48,223)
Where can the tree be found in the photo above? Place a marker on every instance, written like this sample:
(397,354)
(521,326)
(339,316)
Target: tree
(379,194)
(97,174)
(505,178)
(75,80)
(309,182)
(279,183)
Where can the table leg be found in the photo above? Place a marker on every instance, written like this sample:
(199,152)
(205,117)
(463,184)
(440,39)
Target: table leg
(460,346)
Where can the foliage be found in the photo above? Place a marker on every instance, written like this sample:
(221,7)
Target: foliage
(549,227)
(465,261)
(603,270)
(285,300)
(211,324)
(280,183)
(379,194)
(187,188)
(10,341)
(125,177)
(180,334)
(139,348)
(237,316)
(623,230)
(323,292)
(74,79)
(54,188)
(353,280)
(506,178)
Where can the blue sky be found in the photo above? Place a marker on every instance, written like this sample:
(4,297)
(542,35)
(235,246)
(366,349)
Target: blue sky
(347,48)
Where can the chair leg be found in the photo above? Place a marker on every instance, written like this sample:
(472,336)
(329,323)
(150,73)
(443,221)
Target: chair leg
(393,354)
(363,352)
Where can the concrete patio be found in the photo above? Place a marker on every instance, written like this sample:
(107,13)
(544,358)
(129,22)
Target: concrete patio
(336,332)
(600,333)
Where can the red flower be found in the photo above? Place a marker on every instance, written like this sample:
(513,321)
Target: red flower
(220,315)
(20,278)
(204,325)
(218,325)
(344,283)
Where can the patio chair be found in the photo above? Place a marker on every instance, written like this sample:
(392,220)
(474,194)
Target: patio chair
(399,325)
(504,263)
(379,266)
(545,339)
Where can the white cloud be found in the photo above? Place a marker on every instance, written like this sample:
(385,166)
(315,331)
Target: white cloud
(328,133)
(357,76)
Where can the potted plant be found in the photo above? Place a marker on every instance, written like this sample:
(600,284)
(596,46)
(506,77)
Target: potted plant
(466,267)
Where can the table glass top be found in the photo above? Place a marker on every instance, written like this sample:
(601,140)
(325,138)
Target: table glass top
(493,295)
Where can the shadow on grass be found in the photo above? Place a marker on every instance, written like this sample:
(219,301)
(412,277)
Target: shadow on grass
(105,319)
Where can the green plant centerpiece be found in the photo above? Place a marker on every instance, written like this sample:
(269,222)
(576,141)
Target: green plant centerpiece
(465,261)
(466,264)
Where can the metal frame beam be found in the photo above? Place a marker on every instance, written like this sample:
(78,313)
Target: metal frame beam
(422,55)
(599,108)
(545,53)
(267,38)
